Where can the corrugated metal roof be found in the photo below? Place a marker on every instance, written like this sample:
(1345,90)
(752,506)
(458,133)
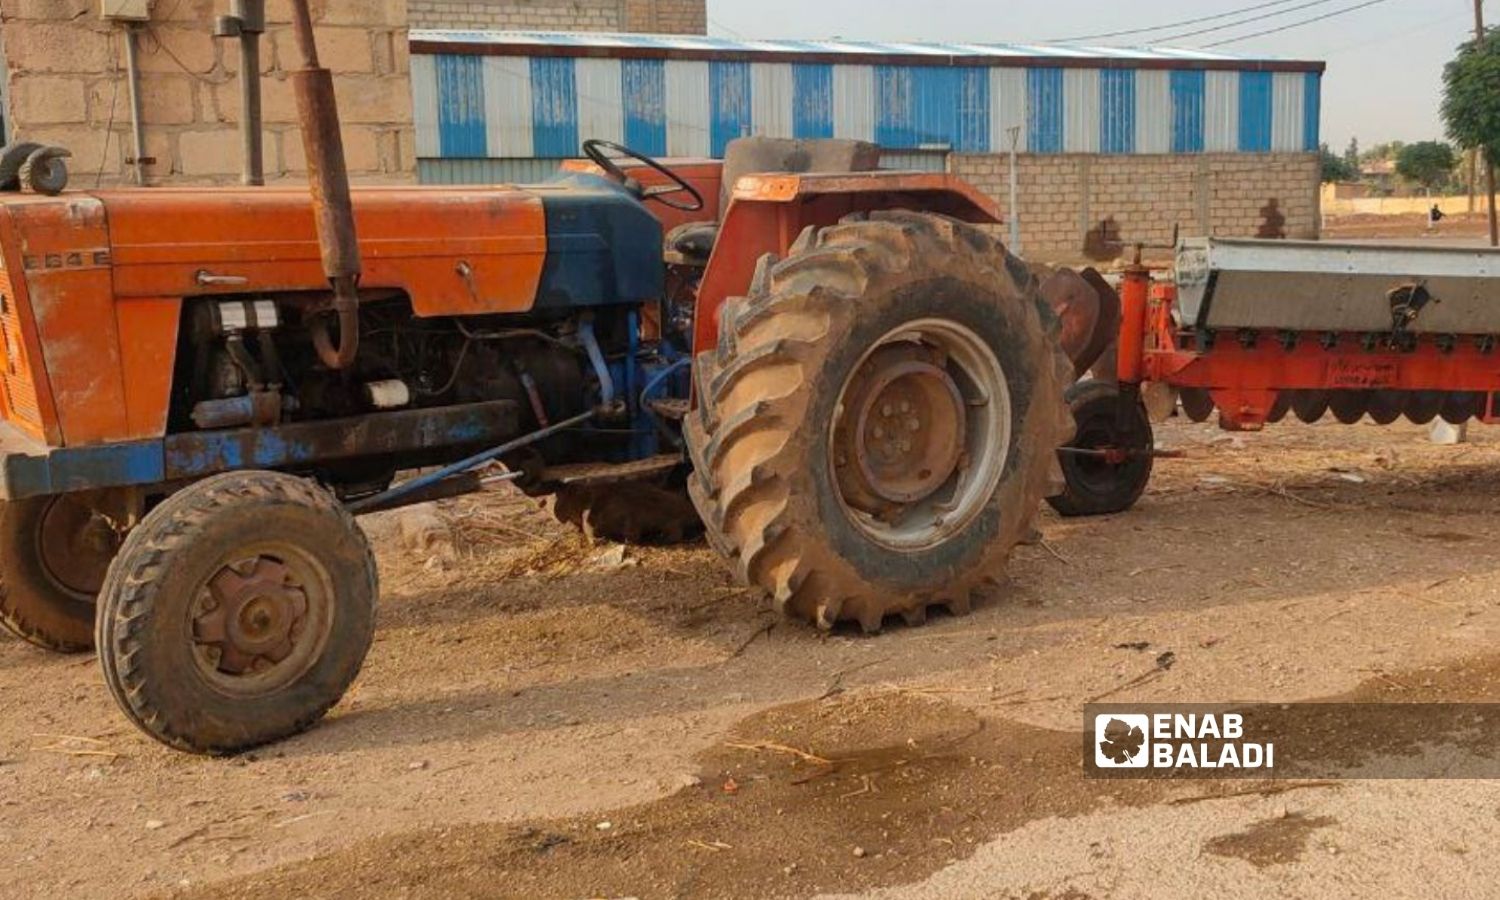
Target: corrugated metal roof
(703,47)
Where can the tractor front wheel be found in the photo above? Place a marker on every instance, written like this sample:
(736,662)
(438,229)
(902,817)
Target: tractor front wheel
(877,427)
(1109,462)
(237,613)
(54,553)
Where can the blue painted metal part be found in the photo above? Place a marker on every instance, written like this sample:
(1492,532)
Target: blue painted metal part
(931,106)
(603,246)
(632,354)
(1312,111)
(461,120)
(28,469)
(661,376)
(199,453)
(1044,110)
(729,104)
(812,100)
(1188,92)
(973,111)
(596,359)
(1256,104)
(1117,111)
(554,107)
(644,89)
(44,471)
(417,485)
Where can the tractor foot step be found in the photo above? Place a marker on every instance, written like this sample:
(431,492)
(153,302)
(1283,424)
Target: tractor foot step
(610,473)
(676,410)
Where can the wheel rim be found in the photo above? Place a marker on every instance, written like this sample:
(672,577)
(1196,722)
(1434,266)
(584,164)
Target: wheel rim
(1098,474)
(261,619)
(921,434)
(75,545)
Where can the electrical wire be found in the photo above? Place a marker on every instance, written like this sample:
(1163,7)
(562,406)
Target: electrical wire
(109,128)
(1325,16)
(1393,35)
(1309,4)
(1174,25)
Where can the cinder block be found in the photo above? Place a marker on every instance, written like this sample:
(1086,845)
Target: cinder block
(36,99)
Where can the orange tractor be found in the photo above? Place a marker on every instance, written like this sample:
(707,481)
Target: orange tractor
(859,391)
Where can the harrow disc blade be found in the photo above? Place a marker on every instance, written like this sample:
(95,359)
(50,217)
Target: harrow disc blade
(1460,406)
(1197,404)
(1349,406)
(1423,406)
(1386,406)
(1310,406)
(1280,408)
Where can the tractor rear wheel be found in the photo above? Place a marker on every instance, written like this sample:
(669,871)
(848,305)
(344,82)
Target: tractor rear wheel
(1099,485)
(237,613)
(875,430)
(54,553)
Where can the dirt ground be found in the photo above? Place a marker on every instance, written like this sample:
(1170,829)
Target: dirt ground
(1457,228)
(544,718)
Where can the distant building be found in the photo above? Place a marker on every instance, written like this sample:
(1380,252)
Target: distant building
(1380,176)
(1117,146)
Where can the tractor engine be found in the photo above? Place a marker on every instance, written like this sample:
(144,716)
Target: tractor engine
(251,362)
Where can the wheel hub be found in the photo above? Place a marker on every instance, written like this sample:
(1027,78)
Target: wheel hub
(909,429)
(252,615)
(921,434)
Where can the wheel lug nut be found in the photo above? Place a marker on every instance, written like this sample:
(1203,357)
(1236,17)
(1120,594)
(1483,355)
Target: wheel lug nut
(879,432)
(913,425)
(886,410)
(905,407)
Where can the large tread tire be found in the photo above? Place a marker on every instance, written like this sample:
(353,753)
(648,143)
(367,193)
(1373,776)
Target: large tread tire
(34,604)
(767,395)
(650,513)
(1093,487)
(145,631)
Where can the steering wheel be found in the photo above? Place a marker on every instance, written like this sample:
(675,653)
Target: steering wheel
(595,150)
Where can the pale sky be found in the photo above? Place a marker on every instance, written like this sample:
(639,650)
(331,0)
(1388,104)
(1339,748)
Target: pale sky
(1385,62)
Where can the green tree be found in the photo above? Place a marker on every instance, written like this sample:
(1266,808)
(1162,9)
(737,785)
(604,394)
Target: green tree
(1428,163)
(1337,168)
(1383,152)
(1351,154)
(1471,95)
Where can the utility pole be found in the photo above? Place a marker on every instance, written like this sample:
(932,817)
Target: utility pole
(1014,212)
(1489,164)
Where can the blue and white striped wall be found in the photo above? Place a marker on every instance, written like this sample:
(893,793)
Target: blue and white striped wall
(496,106)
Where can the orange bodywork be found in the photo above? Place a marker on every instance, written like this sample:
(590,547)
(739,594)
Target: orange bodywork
(96,282)
(93,283)
(705,175)
(1245,378)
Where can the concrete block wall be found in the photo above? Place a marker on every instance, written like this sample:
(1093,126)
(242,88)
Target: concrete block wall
(67,85)
(648,16)
(1078,207)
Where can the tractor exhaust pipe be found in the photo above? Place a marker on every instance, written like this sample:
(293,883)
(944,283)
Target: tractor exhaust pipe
(328,178)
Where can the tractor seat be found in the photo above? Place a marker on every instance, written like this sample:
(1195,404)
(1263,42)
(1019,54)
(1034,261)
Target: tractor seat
(692,244)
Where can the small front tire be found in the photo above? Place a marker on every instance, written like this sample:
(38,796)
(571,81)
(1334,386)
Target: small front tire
(54,553)
(237,613)
(1097,486)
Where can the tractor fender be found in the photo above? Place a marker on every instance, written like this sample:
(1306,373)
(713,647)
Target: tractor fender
(767,213)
